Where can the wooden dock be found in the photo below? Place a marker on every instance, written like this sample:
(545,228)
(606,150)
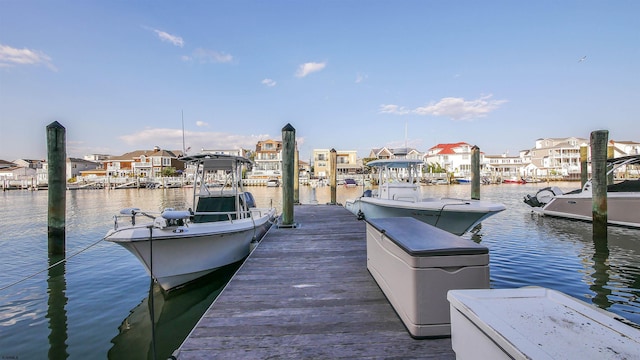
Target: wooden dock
(306,293)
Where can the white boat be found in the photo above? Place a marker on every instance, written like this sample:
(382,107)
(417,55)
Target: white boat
(273,183)
(398,195)
(178,246)
(623,199)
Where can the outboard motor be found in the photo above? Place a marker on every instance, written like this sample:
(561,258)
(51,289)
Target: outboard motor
(543,196)
(532,201)
(249,200)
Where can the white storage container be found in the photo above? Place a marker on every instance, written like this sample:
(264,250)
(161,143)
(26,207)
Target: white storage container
(415,264)
(536,323)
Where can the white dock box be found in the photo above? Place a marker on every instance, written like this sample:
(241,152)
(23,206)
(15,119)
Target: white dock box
(415,264)
(536,323)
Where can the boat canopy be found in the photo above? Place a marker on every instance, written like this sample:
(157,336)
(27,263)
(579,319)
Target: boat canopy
(395,163)
(216,161)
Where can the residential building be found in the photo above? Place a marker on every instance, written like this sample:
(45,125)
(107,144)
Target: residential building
(144,163)
(29,163)
(503,166)
(557,157)
(346,163)
(267,160)
(625,148)
(75,167)
(387,153)
(454,158)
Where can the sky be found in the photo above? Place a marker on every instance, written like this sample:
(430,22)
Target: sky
(349,75)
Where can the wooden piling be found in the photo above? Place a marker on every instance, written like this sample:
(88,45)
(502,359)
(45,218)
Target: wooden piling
(57,166)
(584,170)
(599,139)
(288,150)
(296,178)
(333,177)
(475,173)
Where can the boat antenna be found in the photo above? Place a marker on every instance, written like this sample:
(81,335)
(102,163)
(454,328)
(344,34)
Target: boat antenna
(184,151)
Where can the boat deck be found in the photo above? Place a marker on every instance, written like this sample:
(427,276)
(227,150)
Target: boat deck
(306,293)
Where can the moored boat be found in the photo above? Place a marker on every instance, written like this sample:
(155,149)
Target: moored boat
(398,195)
(623,199)
(178,246)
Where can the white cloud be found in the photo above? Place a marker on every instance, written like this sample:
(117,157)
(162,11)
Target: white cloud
(393,109)
(172,139)
(208,56)
(166,37)
(201,124)
(308,68)
(454,108)
(10,56)
(269,82)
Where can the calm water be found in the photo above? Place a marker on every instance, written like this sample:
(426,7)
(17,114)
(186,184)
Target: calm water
(98,304)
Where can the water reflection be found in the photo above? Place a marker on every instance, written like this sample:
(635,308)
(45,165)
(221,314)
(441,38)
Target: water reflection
(174,313)
(610,263)
(56,312)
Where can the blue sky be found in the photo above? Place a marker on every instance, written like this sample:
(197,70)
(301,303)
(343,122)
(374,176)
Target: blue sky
(349,75)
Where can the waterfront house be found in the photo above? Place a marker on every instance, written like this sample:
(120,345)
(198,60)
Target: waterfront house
(12,175)
(455,158)
(144,163)
(346,163)
(29,163)
(503,166)
(387,153)
(267,160)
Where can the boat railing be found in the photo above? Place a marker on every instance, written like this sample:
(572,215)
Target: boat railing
(131,213)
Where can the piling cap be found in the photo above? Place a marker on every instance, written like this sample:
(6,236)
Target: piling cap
(288,127)
(55,124)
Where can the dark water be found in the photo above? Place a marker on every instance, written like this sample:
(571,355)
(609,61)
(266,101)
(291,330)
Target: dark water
(98,303)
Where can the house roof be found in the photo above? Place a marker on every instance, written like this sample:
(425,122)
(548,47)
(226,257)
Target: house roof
(148,153)
(448,149)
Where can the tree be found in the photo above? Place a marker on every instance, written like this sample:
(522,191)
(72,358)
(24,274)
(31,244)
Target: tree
(169,171)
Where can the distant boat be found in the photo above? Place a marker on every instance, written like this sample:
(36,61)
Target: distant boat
(398,196)
(463,180)
(514,180)
(188,244)
(350,183)
(623,199)
(273,183)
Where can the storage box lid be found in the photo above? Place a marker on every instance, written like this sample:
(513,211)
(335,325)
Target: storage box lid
(421,239)
(540,323)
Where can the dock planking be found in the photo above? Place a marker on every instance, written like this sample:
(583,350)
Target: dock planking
(306,293)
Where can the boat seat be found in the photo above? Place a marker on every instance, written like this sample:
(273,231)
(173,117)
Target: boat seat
(215,204)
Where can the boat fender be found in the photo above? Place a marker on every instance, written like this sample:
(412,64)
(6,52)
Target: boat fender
(129,211)
(175,214)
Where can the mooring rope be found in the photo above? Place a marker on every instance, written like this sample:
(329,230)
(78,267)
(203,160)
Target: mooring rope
(50,267)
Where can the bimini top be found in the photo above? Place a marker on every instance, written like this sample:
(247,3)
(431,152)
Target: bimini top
(216,161)
(395,163)
(624,160)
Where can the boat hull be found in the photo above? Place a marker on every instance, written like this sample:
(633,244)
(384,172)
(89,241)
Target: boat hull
(622,208)
(177,255)
(452,215)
